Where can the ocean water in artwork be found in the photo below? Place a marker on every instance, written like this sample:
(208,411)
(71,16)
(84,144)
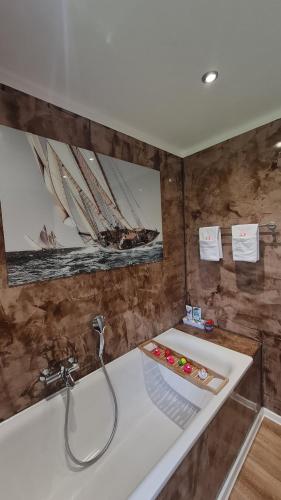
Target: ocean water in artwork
(67,210)
(30,266)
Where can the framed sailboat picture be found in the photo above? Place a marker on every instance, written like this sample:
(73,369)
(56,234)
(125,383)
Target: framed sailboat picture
(67,210)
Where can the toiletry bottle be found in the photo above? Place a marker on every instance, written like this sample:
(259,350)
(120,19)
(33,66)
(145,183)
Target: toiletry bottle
(197,314)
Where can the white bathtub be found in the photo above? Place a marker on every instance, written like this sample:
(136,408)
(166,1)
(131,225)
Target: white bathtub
(160,417)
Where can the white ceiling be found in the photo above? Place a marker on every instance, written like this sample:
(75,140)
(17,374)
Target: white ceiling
(136,65)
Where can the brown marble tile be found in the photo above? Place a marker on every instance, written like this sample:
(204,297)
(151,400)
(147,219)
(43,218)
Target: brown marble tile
(238,181)
(25,112)
(43,322)
(110,142)
(231,340)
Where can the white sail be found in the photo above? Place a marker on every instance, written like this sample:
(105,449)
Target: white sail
(94,165)
(107,205)
(79,215)
(65,155)
(42,161)
(56,177)
(48,181)
(37,150)
(90,205)
(63,213)
(69,221)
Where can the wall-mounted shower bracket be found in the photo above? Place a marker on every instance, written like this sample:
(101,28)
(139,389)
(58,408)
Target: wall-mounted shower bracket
(271,226)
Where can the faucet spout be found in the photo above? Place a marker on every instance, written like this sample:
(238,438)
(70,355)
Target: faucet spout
(67,377)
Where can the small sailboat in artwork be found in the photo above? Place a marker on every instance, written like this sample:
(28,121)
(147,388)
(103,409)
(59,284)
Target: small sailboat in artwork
(85,198)
(47,240)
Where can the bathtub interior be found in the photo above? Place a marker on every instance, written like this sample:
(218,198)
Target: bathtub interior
(150,422)
(174,396)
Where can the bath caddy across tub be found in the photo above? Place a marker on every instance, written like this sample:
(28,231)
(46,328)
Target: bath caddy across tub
(214,382)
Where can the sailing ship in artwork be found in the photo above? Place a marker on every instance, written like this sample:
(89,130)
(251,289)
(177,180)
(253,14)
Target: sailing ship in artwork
(46,240)
(85,199)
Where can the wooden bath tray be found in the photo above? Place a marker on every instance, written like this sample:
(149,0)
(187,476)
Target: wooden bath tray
(220,380)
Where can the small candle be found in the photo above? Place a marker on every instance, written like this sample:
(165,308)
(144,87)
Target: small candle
(182,361)
(171,360)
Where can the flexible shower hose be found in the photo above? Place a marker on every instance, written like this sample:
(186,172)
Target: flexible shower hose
(100,453)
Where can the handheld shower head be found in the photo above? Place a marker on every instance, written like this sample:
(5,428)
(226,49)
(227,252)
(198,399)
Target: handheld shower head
(99,323)
(99,326)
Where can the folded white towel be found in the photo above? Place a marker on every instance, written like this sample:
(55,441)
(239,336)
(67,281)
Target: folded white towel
(245,242)
(210,243)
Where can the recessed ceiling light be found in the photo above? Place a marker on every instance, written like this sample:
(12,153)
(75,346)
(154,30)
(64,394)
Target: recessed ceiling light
(210,77)
(278,144)
(91,159)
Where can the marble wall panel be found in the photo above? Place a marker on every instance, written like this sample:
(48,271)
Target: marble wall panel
(44,322)
(236,182)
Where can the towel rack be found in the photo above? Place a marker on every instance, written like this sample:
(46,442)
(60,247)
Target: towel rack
(271,226)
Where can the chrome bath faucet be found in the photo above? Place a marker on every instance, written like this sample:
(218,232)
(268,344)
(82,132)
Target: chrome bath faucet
(48,376)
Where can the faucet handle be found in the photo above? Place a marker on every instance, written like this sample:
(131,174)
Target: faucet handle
(73,364)
(44,375)
(48,376)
